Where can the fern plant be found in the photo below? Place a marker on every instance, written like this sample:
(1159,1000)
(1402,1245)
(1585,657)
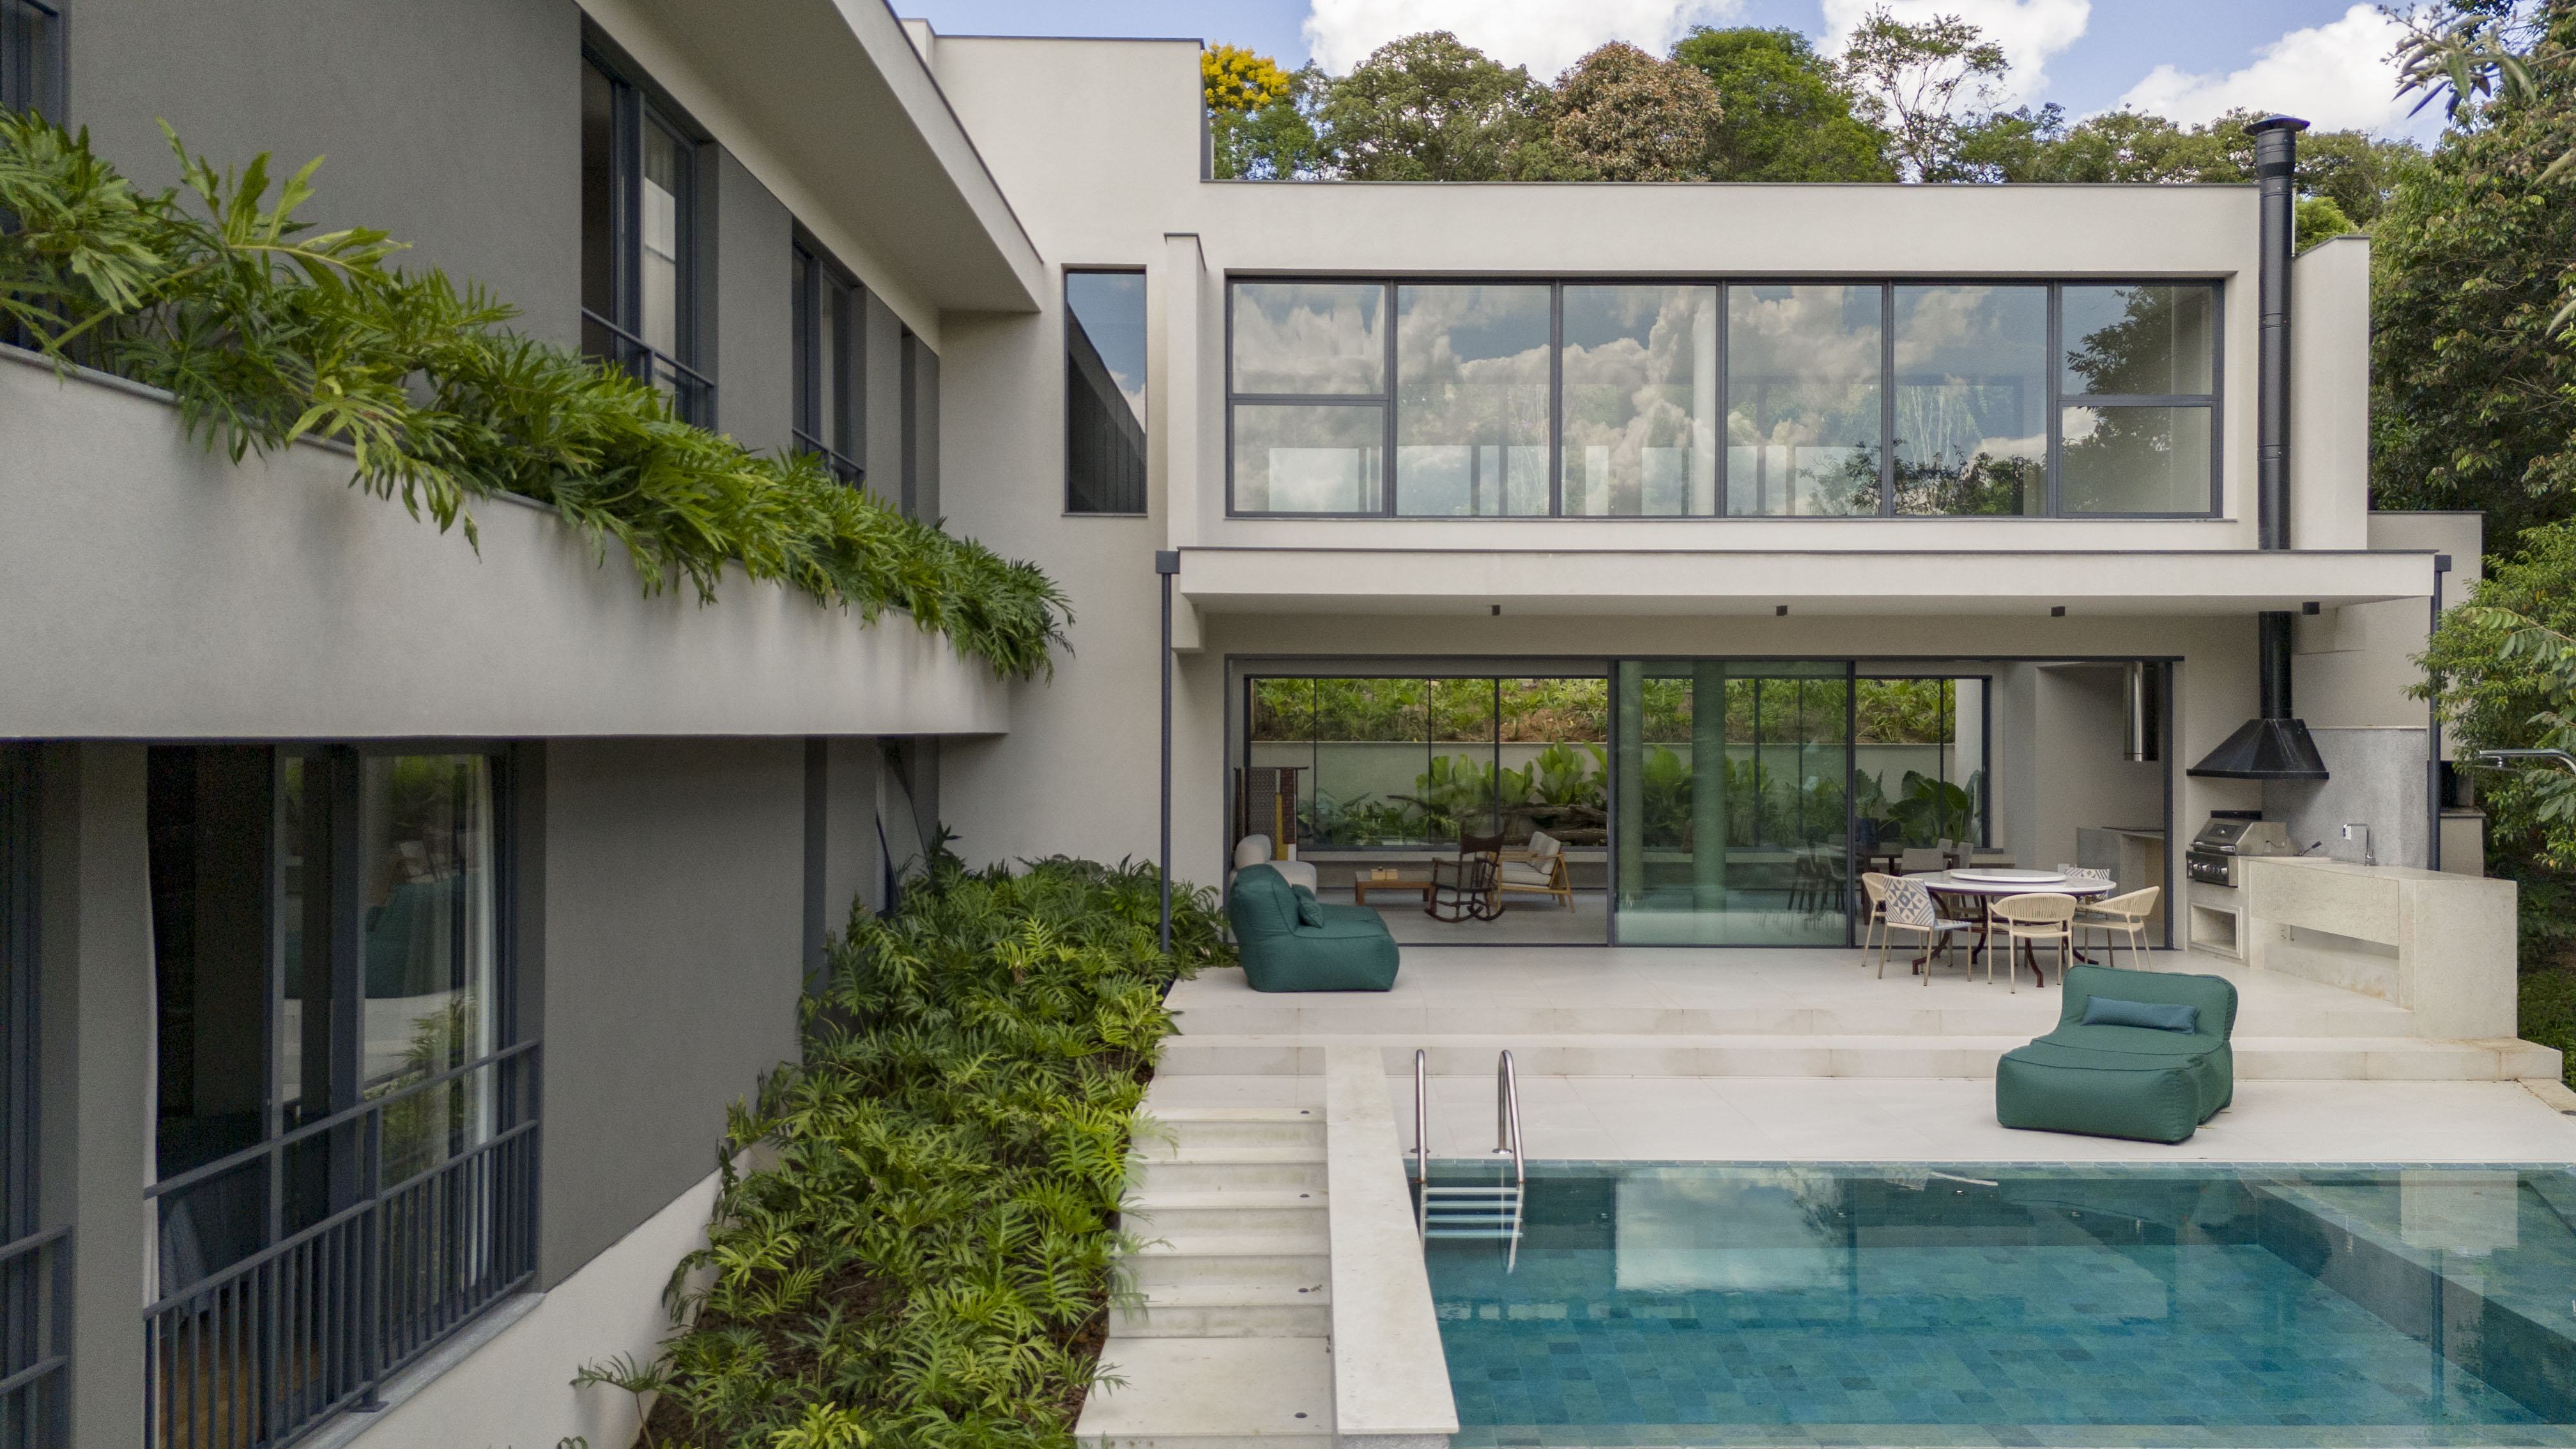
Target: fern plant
(265,332)
(928,1262)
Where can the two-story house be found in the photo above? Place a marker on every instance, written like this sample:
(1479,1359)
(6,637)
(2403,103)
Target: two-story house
(1685,521)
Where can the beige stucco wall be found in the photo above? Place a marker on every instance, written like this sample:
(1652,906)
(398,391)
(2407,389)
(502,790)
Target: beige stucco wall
(155,590)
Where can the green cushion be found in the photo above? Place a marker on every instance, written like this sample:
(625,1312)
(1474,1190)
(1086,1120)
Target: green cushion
(1351,950)
(2159,1015)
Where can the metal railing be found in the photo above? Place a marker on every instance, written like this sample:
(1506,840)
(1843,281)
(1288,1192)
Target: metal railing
(260,1351)
(835,462)
(1471,1211)
(35,1341)
(1507,1117)
(692,393)
(1421,1144)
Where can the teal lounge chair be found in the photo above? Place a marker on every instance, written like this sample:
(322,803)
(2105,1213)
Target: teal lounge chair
(2113,1076)
(1293,942)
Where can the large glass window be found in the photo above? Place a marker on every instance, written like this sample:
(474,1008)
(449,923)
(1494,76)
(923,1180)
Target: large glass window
(335,1078)
(1837,399)
(31,57)
(1971,398)
(639,297)
(1471,400)
(2139,390)
(1104,392)
(825,308)
(1640,400)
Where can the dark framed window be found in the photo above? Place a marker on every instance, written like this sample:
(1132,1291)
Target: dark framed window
(35,1261)
(639,221)
(829,370)
(1104,392)
(344,1120)
(31,57)
(1722,398)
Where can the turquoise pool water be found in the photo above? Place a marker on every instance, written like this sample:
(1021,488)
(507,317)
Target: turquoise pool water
(1869,1304)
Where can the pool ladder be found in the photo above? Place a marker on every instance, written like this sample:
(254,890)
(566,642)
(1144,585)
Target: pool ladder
(1492,1213)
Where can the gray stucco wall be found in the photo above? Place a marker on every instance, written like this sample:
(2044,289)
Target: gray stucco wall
(453,124)
(2375,777)
(754,329)
(95,1044)
(674,922)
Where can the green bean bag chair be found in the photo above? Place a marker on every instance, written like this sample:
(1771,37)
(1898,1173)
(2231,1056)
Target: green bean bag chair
(2136,1054)
(1293,942)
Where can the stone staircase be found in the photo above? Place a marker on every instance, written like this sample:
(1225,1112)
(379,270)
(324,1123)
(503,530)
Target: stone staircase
(2356,1039)
(1230,1344)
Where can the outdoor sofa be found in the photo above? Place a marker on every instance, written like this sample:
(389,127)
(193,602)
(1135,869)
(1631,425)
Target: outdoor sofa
(1293,942)
(2137,1054)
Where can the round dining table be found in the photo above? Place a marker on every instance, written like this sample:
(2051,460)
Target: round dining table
(1980,883)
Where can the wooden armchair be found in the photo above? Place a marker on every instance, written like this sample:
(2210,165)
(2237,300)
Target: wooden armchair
(1537,869)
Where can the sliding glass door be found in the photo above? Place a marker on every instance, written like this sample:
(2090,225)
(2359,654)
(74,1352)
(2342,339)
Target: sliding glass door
(1730,802)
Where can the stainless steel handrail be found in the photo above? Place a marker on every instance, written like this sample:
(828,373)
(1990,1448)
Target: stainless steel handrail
(1507,1117)
(1421,1147)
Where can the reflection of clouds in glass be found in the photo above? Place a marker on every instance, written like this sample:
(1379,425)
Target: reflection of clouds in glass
(1110,308)
(1640,400)
(1480,336)
(1472,400)
(1297,337)
(1803,388)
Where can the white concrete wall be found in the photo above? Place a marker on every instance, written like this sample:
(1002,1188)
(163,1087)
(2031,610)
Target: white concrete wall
(155,590)
(2082,777)
(2330,395)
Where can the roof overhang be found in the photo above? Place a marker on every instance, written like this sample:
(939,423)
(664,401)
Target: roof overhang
(836,96)
(1706,582)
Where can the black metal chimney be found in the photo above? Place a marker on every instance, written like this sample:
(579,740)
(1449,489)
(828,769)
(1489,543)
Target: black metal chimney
(2274,746)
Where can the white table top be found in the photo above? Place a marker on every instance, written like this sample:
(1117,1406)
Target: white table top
(1941,880)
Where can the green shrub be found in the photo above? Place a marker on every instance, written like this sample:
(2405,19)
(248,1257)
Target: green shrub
(929,1259)
(265,334)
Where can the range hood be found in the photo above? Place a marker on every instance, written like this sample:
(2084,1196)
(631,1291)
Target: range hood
(2274,745)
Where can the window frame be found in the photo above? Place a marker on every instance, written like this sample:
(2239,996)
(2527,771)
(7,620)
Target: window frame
(1064,293)
(812,313)
(635,106)
(2056,401)
(34,82)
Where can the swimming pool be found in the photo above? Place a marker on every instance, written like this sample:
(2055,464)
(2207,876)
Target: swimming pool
(1699,1304)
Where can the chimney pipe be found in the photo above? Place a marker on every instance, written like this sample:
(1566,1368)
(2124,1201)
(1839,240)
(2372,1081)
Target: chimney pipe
(2275,745)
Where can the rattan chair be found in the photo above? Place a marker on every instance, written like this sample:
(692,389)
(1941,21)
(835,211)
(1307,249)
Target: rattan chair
(2025,921)
(1909,908)
(1873,920)
(2121,916)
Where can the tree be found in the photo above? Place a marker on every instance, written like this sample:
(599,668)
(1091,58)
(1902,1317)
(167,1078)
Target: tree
(1260,118)
(1623,115)
(1929,86)
(2474,401)
(1430,108)
(1787,116)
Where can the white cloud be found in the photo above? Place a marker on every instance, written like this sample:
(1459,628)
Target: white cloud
(2336,75)
(1545,35)
(2030,31)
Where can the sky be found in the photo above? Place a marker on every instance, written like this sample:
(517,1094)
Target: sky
(2189,60)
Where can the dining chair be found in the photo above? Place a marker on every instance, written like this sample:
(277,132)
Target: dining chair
(1919,858)
(2121,915)
(2025,921)
(2079,872)
(1909,908)
(1873,889)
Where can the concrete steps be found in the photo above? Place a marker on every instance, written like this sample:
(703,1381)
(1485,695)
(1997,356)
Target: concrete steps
(1228,1343)
(1789,1054)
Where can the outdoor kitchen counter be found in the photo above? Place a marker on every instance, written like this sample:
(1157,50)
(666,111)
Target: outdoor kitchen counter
(2439,944)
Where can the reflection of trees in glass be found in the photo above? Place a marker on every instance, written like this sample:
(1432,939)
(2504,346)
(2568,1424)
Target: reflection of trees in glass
(2159,343)
(1967,446)
(1905,711)
(1563,789)
(2137,460)
(1955,484)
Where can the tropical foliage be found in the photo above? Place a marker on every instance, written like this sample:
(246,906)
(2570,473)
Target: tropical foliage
(927,1257)
(265,331)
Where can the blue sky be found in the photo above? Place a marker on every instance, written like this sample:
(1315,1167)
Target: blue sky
(2186,58)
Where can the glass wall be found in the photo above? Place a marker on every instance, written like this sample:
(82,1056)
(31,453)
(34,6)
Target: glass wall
(1919,762)
(1413,764)
(1729,802)
(1104,392)
(1838,399)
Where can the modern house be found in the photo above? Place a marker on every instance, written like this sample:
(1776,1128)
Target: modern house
(1982,514)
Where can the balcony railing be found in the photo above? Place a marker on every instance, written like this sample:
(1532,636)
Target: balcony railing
(35,1341)
(261,1351)
(835,462)
(692,393)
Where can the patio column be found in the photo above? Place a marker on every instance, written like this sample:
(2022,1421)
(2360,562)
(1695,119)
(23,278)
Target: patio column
(1708,785)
